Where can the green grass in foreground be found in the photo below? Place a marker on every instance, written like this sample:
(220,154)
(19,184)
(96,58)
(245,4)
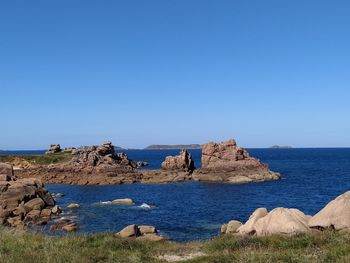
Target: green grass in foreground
(25,247)
(37,159)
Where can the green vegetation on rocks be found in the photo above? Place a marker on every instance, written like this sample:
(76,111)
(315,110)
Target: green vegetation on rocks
(41,159)
(317,247)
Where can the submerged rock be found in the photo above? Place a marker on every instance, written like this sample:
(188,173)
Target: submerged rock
(73,206)
(70,227)
(226,162)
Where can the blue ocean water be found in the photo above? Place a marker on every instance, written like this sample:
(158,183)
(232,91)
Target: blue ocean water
(194,210)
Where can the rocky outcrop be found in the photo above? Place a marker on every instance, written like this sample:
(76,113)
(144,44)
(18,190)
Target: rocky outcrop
(25,201)
(6,172)
(174,169)
(68,149)
(226,162)
(335,215)
(89,165)
(182,162)
(221,162)
(54,148)
(140,233)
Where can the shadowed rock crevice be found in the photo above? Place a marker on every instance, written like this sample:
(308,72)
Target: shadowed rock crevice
(174,169)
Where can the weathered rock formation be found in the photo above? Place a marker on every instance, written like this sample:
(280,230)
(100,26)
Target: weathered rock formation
(221,162)
(89,165)
(140,233)
(183,162)
(226,162)
(174,169)
(335,215)
(280,221)
(68,149)
(54,148)
(24,201)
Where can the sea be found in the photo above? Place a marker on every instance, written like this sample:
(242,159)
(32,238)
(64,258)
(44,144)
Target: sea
(196,210)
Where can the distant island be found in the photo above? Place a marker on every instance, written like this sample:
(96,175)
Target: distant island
(280,147)
(173,147)
(117,148)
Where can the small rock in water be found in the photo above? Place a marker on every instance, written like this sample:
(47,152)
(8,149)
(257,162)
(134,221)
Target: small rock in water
(70,227)
(73,206)
(125,201)
(146,206)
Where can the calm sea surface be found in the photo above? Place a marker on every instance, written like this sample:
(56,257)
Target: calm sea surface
(192,210)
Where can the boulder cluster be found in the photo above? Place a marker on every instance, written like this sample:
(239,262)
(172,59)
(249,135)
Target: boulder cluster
(92,165)
(89,165)
(92,156)
(335,216)
(221,162)
(226,162)
(23,201)
(54,148)
(140,233)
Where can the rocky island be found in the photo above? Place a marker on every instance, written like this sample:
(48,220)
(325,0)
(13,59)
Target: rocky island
(91,165)
(226,162)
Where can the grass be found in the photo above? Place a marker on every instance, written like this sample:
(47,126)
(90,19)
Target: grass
(26,247)
(37,159)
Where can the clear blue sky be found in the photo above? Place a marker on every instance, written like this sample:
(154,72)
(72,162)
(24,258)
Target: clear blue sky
(174,71)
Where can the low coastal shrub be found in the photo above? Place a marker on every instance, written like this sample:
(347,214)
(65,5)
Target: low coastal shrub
(37,159)
(28,247)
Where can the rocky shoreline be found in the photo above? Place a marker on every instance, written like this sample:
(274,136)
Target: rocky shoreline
(290,221)
(100,165)
(25,203)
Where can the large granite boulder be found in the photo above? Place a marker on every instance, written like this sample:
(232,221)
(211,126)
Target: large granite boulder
(89,165)
(174,169)
(54,148)
(23,200)
(226,162)
(248,227)
(335,215)
(6,172)
(282,221)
